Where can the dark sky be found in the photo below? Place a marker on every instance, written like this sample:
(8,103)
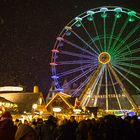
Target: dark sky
(28,29)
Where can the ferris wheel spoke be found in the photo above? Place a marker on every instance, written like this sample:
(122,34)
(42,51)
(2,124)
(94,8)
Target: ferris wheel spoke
(98,89)
(112,32)
(81,86)
(127,59)
(76,54)
(129,53)
(137,16)
(119,35)
(85,98)
(127,37)
(127,71)
(129,65)
(126,78)
(74,70)
(78,47)
(89,85)
(94,24)
(77,62)
(104,20)
(115,90)
(128,46)
(85,82)
(95,82)
(79,77)
(91,38)
(125,92)
(97,79)
(80,38)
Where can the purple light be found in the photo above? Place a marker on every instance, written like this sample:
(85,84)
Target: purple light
(54,77)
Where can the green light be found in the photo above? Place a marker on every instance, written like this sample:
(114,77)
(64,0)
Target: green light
(90,13)
(131,19)
(90,18)
(131,13)
(118,9)
(104,10)
(104,15)
(78,19)
(78,23)
(118,15)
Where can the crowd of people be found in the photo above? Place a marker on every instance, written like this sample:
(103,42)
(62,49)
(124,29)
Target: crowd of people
(108,127)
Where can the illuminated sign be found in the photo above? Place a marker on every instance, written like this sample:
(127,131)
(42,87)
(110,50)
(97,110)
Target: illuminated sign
(10,88)
(57,109)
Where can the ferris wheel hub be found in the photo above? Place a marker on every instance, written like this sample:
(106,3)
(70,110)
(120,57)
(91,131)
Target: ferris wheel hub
(104,57)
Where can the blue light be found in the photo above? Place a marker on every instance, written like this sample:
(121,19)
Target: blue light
(60,44)
(131,113)
(54,77)
(59,89)
(68,33)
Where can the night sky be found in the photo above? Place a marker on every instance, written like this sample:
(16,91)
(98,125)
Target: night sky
(28,29)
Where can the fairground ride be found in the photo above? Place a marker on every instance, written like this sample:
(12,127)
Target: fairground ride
(99,51)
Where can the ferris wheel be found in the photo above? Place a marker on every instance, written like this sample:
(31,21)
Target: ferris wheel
(98,53)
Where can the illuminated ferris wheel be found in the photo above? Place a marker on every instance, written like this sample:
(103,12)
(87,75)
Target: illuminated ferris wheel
(98,52)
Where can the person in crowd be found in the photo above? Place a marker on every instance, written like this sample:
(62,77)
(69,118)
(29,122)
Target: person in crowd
(25,132)
(38,127)
(34,124)
(65,130)
(82,131)
(26,122)
(7,127)
(48,128)
(17,122)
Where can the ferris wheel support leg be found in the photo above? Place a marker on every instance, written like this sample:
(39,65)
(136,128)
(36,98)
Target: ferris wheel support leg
(125,92)
(106,90)
(86,95)
(115,91)
(98,90)
(92,80)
